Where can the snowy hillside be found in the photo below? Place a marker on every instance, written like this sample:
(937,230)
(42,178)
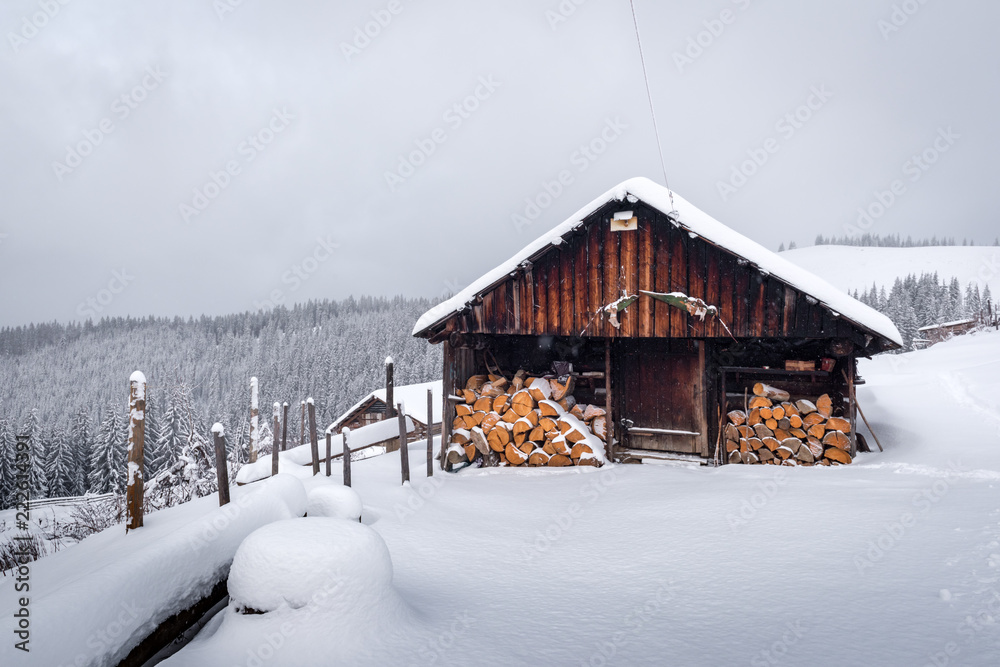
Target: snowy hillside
(853,267)
(894,560)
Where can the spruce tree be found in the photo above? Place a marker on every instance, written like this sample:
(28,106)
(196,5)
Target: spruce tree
(8,473)
(82,441)
(59,467)
(107,465)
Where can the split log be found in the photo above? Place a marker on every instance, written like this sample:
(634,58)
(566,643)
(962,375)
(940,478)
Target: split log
(499,382)
(561,446)
(784,453)
(538,458)
(838,424)
(498,439)
(771,443)
(489,422)
(746,432)
(734,445)
(560,461)
(479,441)
(509,417)
(515,456)
(812,419)
(763,431)
(593,412)
(521,427)
(577,411)
(456,456)
(462,409)
(537,434)
(549,449)
(600,428)
(581,451)
(745,446)
(526,447)
(457,423)
(773,393)
(816,447)
(765,413)
(771,423)
(805,407)
(765,455)
(778,412)
(838,440)
(519,377)
(501,403)
(781,434)
(476,382)
(483,404)
(805,455)
(731,432)
(469,396)
(795,421)
(470,451)
(798,433)
(759,402)
(754,417)
(824,405)
(817,431)
(789,408)
(567,402)
(837,454)
(793,444)
(547,423)
(540,389)
(750,458)
(562,387)
(460,437)
(735,457)
(737,417)
(550,409)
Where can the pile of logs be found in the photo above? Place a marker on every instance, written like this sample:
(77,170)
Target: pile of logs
(528,420)
(778,431)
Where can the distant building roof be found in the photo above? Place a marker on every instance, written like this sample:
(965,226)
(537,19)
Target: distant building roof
(412,396)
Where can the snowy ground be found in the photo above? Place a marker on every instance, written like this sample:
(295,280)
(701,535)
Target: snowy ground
(892,561)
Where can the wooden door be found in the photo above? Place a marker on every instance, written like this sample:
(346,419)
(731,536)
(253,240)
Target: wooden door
(663,395)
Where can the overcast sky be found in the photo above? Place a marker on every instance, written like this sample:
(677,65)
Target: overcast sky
(191,156)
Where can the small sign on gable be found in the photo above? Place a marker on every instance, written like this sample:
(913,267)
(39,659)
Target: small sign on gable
(624,221)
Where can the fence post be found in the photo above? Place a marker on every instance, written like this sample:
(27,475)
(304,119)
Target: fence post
(430,433)
(136,445)
(221,466)
(254,422)
(390,384)
(302,425)
(274,439)
(404,451)
(284,427)
(313,441)
(329,452)
(347,456)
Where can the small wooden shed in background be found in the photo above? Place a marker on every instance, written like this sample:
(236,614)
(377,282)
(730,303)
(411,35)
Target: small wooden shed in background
(667,373)
(372,408)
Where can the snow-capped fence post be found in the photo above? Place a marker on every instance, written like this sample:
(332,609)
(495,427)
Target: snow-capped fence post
(390,384)
(302,425)
(313,441)
(404,455)
(136,444)
(254,422)
(274,439)
(284,427)
(221,465)
(430,433)
(329,452)
(347,456)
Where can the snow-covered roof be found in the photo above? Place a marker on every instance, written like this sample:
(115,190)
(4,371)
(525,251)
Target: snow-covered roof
(946,324)
(412,396)
(695,221)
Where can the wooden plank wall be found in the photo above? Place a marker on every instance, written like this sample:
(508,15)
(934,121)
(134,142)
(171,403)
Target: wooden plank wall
(563,291)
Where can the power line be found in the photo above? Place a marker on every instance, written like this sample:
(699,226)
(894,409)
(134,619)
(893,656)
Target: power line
(652,111)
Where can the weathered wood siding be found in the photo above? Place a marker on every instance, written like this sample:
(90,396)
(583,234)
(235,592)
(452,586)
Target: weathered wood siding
(561,293)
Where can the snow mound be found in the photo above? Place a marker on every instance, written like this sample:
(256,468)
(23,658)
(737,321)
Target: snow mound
(339,502)
(321,562)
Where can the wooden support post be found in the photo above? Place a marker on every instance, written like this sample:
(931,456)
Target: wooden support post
(302,424)
(284,427)
(430,433)
(389,387)
(136,445)
(609,420)
(254,422)
(852,406)
(313,441)
(404,451)
(447,410)
(329,453)
(221,465)
(274,439)
(346,433)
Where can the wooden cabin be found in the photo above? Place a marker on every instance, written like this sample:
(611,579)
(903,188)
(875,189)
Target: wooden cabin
(938,333)
(372,408)
(593,295)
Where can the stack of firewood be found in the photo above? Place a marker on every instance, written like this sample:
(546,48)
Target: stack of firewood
(528,420)
(778,431)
